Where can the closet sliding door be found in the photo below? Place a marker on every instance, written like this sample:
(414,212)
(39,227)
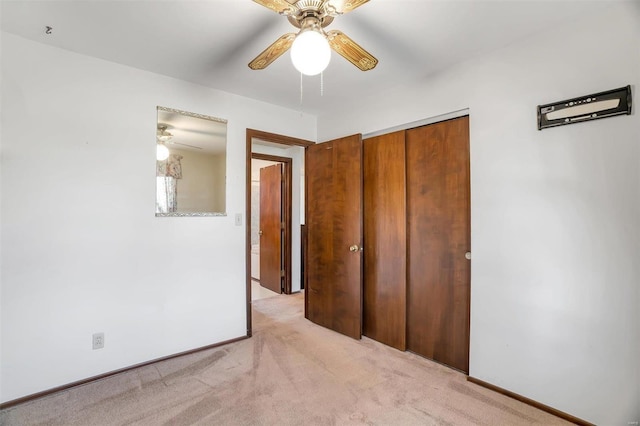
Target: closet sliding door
(385,260)
(415,294)
(438,238)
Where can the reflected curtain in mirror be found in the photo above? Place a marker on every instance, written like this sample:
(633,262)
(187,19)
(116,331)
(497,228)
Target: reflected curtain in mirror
(168,172)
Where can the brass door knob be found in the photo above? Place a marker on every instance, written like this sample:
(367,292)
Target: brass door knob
(354,248)
(259,232)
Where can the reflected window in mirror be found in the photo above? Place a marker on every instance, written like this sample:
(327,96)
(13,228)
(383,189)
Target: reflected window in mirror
(191,164)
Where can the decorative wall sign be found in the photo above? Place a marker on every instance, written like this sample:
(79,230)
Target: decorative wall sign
(585,108)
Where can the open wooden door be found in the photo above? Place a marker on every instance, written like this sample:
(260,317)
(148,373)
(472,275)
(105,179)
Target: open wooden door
(333,297)
(271,228)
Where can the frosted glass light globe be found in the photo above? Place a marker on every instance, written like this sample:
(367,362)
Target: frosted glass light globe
(310,52)
(162,152)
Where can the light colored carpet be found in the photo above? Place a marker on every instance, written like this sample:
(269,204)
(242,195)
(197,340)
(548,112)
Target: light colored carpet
(291,372)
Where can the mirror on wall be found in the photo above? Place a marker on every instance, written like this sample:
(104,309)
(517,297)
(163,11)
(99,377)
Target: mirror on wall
(191,164)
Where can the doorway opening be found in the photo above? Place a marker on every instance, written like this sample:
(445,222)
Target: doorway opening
(286,269)
(271,194)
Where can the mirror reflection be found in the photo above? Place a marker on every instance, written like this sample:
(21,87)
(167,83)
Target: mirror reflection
(191,162)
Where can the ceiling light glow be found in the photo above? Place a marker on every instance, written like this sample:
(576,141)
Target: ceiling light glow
(162,152)
(310,52)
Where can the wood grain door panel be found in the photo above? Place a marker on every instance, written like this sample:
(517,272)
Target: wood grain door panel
(271,227)
(334,223)
(438,231)
(385,260)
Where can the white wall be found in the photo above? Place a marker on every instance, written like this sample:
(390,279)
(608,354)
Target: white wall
(202,185)
(296,153)
(555,216)
(220,177)
(82,251)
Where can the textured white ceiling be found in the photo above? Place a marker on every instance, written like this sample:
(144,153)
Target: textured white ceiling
(211,42)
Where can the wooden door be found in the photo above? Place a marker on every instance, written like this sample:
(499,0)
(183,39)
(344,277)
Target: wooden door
(385,218)
(438,231)
(271,227)
(333,297)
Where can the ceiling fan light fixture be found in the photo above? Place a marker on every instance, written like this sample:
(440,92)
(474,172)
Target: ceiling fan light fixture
(310,52)
(311,47)
(162,152)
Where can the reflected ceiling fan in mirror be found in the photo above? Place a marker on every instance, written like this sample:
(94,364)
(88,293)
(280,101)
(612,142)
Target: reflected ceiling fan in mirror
(162,152)
(164,137)
(311,46)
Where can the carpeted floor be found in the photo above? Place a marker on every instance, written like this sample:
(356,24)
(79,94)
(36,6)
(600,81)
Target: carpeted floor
(291,372)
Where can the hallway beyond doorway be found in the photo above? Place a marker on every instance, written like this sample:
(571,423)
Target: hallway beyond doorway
(258,292)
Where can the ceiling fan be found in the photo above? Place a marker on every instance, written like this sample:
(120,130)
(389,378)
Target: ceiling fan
(164,137)
(311,46)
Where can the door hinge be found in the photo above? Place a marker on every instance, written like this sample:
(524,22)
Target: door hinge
(281,225)
(282,273)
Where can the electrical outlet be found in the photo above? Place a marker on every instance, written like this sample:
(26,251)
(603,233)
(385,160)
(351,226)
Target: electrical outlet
(98,341)
(238,219)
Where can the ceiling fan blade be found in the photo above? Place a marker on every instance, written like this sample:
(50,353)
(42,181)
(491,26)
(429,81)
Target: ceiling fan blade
(184,144)
(351,51)
(272,52)
(282,7)
(345,6)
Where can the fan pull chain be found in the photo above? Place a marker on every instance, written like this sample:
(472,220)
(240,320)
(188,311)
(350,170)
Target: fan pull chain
(300,90)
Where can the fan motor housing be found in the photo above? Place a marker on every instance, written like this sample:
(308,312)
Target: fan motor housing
(320,10)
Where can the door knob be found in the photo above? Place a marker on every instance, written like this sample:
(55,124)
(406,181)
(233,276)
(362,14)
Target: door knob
(259,232)
(354,248)
(467,255)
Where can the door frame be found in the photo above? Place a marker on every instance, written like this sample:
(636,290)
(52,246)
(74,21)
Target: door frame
(252,134)
(286,213)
